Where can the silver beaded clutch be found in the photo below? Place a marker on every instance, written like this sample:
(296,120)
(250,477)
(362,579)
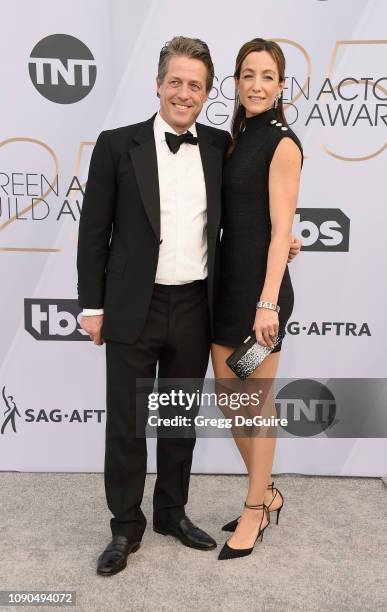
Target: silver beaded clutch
(249,355)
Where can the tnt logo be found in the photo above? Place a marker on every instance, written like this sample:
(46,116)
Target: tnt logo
(62,68)
(53,320)
(308,406)
(322,229)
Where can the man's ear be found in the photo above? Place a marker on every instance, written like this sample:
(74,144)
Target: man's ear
(158,83)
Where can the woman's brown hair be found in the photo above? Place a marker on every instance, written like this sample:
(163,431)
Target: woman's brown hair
(257,44)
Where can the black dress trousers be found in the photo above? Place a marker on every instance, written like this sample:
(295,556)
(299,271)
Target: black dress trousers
(176,336)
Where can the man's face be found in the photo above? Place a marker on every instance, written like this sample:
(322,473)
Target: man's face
(182,92)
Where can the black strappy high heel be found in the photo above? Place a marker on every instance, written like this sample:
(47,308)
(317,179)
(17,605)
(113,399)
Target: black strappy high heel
(232,553)
(277,492)
(231,526)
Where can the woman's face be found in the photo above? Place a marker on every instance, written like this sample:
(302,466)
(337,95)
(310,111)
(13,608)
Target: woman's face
(258,82)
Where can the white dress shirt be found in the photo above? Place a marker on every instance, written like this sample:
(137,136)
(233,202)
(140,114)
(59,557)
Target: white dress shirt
(183,212)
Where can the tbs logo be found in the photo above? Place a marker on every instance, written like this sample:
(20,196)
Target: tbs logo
(53,320)
(322,229)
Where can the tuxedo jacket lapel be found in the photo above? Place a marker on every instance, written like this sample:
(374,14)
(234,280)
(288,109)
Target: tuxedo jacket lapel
(144,159)
(212,162)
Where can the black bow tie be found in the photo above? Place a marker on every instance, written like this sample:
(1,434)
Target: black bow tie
(174,141)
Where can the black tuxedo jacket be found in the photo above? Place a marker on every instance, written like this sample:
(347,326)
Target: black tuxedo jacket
(119,228)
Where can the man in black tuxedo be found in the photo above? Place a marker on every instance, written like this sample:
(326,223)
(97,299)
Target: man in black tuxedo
(148,234)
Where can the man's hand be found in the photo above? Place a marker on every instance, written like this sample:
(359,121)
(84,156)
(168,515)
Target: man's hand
(93,326)
(295,248)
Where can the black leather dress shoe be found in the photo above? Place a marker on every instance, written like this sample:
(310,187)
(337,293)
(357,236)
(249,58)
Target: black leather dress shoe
(188,534)
(115,555)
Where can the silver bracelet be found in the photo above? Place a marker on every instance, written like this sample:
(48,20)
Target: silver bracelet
(268,305)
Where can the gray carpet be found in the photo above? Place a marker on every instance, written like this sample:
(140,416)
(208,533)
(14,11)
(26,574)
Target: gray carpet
(329,552)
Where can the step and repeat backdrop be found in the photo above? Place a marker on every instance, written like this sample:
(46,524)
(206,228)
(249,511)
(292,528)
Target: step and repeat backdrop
(68,71)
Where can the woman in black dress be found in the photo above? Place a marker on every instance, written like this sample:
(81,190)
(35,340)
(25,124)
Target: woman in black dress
(260,190)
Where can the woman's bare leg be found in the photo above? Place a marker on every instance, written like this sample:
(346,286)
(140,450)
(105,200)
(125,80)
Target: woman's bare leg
(257,452)
(261,455)
(262,447)
(219,355)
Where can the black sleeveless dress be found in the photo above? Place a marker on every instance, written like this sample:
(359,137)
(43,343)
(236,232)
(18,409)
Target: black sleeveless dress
(247,230)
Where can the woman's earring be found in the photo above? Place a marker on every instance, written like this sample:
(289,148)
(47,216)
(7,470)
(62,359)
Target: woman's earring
(276,100)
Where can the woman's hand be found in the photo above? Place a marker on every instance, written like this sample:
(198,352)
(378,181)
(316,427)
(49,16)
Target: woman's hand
(266,326)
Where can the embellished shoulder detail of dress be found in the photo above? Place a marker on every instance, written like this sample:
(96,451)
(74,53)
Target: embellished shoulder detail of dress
(279,125)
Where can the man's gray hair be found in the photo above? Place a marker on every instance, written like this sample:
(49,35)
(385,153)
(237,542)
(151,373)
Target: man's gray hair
(189,47)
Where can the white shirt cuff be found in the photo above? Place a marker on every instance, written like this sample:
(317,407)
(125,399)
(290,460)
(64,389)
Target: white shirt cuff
(90,312)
